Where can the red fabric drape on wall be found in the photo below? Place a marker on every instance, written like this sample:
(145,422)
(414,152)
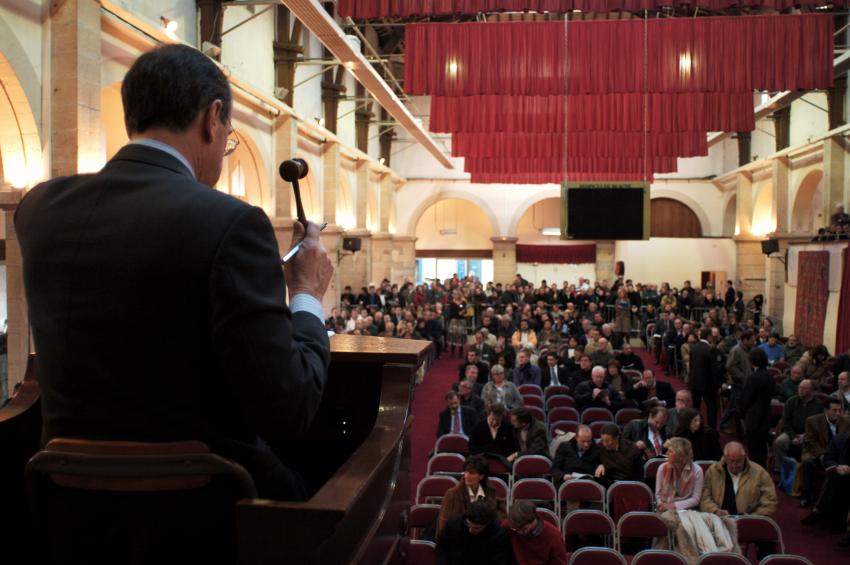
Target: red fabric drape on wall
(812,295)
(367,9)
(564,167)
(552,178)
(571,254)
(718,54)
(842,334)
(667,112)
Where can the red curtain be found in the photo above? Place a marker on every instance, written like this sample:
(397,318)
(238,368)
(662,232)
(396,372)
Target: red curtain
(666,112)
(367,9)
(571,254)
(636,167)
(579,144)
(842,335)
(552,178)
(812,295)
(718,54)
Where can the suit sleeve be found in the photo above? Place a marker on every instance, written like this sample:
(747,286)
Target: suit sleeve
(811,447)
(276,362)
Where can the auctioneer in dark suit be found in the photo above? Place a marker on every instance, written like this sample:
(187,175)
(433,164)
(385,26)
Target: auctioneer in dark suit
(158,312)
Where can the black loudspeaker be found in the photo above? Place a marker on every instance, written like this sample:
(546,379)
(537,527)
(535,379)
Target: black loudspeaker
(769,246)
(620,269)
(351,243)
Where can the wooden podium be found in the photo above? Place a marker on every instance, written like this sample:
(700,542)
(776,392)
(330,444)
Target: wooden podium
(355,456)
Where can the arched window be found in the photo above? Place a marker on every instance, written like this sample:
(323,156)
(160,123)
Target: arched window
(671,218)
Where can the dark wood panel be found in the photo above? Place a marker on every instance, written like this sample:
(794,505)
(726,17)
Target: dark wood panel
(671,218)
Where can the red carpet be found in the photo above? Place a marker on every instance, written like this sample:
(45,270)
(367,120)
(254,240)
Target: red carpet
(816,543)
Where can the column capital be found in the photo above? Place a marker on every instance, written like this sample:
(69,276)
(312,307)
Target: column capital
(504,240)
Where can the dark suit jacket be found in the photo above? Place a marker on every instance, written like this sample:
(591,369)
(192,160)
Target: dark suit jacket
(663,391)
(475,402)
(456,546)
(536,443)
(701,374)
(546,376)
(158,312)
(755,400)
(638,430)
(567,460)
(625,464)
(468,420)
(481,441)
(483,371)
(817,434)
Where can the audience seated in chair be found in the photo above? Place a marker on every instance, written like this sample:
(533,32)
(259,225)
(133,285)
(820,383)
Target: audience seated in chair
(533,541)
(474,538)
(596,393)
(493,435)
(820,429)
(678,484)
(834,501)
(525,373)
(529,434)
(789,385)
(620,459)
(469,399)
(472,487)
(456,419)
(473,359)
(705,442)
(842,392)
(797,410)
(649,389)
(579,456)
(683,401)
(754,494)
(649,434)
(554,374)
(501,391)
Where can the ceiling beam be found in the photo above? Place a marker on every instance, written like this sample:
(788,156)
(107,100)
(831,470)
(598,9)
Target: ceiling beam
(325,28)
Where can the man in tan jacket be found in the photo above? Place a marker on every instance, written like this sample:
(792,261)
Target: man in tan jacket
(820,429)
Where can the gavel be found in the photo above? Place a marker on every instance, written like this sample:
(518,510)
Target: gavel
(291,171)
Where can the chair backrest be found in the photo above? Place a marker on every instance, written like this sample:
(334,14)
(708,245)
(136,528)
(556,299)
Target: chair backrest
(563,413)
(582,490)
(640,525)
(785,560)
(658,557)
(532,466)
(555,390)
(704,464)
(497,467)
(588,523)
(501,488)
(538,413)
(421,552)
(532,400)
(564,425)
(433,488)
(626,415)
(650,468)
(722,558)
(420,516)
(629,496)
(446,464)
(127,466)
(538,490)
(596,556)
(452,443)
(548,516)
(559,400)
(596,428)
(595,414)
(756,529)
(530,389)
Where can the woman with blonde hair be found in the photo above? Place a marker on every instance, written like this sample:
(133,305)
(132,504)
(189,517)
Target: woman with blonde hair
(678,485)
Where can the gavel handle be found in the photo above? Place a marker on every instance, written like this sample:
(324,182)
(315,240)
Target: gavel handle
(299,207)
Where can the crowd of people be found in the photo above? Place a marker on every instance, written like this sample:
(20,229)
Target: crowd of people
(581,336)
(838,228)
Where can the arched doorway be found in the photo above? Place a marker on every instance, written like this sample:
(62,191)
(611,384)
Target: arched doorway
(807,215)
(538,224)
(20,143)
(671,218)
(244,175)
(763,220)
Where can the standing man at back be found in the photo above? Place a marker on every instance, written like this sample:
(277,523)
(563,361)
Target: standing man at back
(157,303)
(702,382)
(738,367)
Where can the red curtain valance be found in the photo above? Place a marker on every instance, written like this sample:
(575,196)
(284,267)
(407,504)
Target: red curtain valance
(569,166)
(579,144)
(369,9)
(552,178)
(666,112)
(719,54)
(572,254)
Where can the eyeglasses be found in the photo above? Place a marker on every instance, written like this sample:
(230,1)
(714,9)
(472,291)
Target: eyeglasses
(232,142)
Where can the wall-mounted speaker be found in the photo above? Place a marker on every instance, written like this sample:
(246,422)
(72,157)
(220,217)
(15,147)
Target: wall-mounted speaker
(351,243)
(769,246)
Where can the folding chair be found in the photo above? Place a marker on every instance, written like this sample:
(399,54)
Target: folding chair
(532,400)
(785,560)
(722,558)
(420,517)
(446,464)
(501,489)
(754,529)
(532,466)
(433,489)
(626,415)
(563,413)
(704,464)
(421,552)
(452,443)
(639,526)
(596,428)
(548,516)
(539,491)
(633,374)
(564,425)
(658,557)
(537,412)
(629,496)
(650,469)
(559,401)
(497,468)
(596,556)
(594,414)
(556,390)
(530,389)
(582,523)
(583,491)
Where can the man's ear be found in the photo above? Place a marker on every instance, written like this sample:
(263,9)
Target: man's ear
(212,120)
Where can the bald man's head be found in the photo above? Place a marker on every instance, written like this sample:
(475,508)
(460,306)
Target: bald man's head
(735,456)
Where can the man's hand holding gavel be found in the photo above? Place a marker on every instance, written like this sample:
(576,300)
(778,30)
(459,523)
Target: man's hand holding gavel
(310,271)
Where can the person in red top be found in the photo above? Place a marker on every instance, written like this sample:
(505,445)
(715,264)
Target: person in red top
(533,541)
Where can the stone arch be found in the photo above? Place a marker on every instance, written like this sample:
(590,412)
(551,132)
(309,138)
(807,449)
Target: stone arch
(671,218)
(807,214)
(439,194)
(467,224)
(553,191)
(345,209)
(730,215)
(246,173)
(20,142)
(763,220)
(695,207)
